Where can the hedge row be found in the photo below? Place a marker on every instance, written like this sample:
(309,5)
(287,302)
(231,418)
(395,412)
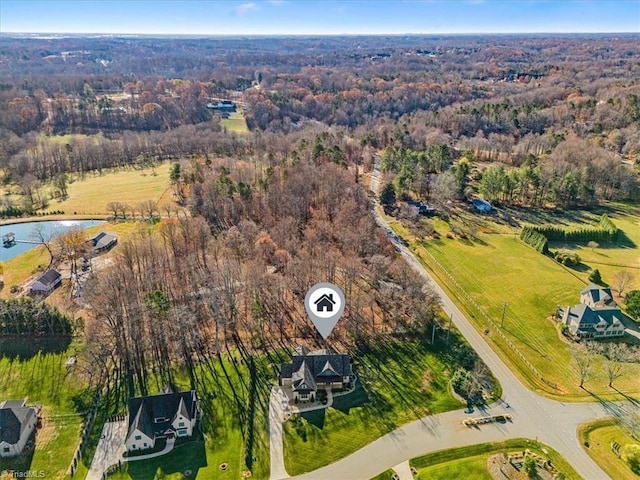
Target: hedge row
(536,239)
(605,232)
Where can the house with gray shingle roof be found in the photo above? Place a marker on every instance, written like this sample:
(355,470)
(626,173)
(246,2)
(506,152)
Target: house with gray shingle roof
(596,316)
(103,241)
(169,414)
(17,423)
(311,370)
(47,282)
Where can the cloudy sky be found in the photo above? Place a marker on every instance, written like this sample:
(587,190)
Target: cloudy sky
(222,17)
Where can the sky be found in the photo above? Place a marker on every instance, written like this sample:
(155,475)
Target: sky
(308,17)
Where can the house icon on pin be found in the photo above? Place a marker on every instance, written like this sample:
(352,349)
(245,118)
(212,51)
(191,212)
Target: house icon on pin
(325,303)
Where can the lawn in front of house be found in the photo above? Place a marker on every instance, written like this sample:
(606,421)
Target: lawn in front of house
(42,378)
(91,194)
(471,461)
(397,382)
(495,268)
(600,435)
(234,399)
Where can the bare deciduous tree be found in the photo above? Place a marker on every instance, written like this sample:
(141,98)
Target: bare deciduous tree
(621,281)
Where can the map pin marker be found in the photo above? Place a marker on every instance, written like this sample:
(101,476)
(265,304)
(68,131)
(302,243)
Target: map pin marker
(324,303)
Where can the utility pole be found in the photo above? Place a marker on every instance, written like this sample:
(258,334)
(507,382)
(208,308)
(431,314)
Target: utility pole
(504,309)
(449,329)
(433,333)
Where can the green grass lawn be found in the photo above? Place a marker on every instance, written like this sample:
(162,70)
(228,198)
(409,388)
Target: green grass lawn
(599,435)
(43,379)
(470,467)
(611,259)
(90,195)
(471,461)
(388,395)
(235,123)
(386,475)
(498,268)
(234,402)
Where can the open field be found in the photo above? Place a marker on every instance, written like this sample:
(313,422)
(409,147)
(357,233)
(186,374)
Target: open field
(91,194)
(43,379)
(611,259)
(234,400)
(387,395)
(600,435)
(235,123)
(471,461)
(495,267)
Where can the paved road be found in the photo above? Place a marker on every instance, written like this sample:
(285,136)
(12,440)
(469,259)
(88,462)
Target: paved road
(109,450)
(534,417)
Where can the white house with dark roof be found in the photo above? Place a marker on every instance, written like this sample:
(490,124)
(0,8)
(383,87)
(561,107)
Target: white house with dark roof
(47,282)
(168,414)
(311,370)
(17,423)
(596,316)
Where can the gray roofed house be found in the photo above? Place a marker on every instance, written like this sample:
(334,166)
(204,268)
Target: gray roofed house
(47,282)
(310,370)
(167,414)
(17,423)
(103,241)
(596,316)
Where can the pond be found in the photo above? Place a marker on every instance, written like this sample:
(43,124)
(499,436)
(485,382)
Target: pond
(26,237)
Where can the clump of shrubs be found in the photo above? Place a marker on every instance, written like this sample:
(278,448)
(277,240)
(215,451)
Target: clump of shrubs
(567,259)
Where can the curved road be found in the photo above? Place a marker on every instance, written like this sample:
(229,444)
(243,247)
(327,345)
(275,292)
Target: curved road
(535,417)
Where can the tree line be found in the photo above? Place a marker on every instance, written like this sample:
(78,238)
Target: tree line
(27,318)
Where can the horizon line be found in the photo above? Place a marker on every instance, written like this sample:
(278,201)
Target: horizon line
(318,34)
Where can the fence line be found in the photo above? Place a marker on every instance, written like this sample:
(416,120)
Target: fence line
(491,322)
(86,431)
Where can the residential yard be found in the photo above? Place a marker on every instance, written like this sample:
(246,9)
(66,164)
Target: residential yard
(234,400)
(235,123)
(600,435)
(388,394)
(471,461)
(494,267)
(42,378)
(90,195)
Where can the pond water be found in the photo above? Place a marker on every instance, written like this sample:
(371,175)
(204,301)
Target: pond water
(26,238)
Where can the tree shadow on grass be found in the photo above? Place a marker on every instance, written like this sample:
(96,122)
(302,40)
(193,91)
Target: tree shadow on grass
(190,456)
(25,348)
(357,398)
(315,417)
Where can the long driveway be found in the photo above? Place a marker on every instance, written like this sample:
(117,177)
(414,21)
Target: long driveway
(109,450)
(535,417)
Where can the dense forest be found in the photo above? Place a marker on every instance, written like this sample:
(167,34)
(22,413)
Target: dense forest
(536,120)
